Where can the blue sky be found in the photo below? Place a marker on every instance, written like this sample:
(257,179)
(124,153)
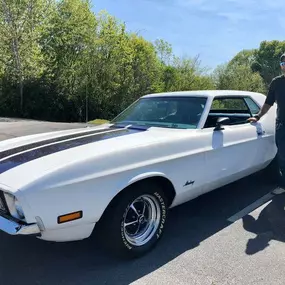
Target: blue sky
(215,30)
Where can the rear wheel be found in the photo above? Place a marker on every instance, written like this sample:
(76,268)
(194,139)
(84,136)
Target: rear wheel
(135,220)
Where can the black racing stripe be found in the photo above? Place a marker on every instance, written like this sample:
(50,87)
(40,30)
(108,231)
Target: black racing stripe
(22,158)
(18,149)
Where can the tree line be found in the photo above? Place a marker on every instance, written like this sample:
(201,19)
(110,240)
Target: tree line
(59,59)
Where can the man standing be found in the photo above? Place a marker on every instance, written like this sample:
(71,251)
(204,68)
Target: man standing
(276,94)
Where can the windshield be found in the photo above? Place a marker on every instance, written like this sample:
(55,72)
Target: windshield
(168,112)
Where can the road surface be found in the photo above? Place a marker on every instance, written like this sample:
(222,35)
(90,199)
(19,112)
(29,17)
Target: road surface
(10,128)
(234,235)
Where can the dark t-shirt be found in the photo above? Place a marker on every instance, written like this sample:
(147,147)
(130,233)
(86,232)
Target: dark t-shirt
(276,94)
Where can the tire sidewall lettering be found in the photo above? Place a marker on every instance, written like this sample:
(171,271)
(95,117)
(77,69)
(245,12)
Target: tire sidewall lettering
(163,217)
(128,246)
(161,222)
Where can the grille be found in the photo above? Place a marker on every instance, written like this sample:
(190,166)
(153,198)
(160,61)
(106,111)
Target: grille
(3,205)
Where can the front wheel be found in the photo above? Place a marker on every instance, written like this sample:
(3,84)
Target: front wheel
(135,221)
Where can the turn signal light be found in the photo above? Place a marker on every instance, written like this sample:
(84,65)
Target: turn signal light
(69,217)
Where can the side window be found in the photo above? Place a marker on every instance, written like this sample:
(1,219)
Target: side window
(254,108)
(235,109)
(229,104)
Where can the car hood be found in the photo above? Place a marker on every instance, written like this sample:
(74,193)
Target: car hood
(27,159)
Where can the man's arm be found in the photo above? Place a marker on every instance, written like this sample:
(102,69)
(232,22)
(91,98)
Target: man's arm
(264,109)
(269,101)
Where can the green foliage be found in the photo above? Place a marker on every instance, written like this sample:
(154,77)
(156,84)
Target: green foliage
(59,60)
(244,57)
(251,70)
(21,25)
(238,77)
(163,51)
(267,59)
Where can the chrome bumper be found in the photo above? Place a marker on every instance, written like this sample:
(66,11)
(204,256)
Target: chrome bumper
(14,228)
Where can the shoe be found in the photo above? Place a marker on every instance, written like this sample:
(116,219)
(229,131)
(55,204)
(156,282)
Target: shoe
(278,190)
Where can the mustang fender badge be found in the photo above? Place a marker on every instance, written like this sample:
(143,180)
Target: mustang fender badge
(189,183)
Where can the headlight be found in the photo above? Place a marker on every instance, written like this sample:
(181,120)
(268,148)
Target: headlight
(19,209)
(14,206)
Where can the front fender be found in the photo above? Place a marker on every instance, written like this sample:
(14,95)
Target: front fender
(143,176)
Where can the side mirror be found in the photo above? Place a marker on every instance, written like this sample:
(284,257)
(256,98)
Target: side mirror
(221,121)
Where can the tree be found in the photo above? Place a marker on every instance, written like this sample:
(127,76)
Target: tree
(68,43)
(267,58)
(164,51)
(70,64)
(186,74)
(21,24)
(238,77)
(244,57)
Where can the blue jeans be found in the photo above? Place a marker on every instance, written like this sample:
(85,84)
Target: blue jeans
(280,143)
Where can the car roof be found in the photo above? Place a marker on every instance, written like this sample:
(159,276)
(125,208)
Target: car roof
(203,93)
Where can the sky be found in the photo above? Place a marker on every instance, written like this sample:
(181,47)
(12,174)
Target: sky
(214,30)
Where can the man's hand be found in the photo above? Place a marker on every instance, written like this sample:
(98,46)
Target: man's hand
(263,111)
(252,119)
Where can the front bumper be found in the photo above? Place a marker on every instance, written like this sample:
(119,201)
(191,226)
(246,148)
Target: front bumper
(13,227)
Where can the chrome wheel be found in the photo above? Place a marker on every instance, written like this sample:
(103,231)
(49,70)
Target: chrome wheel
(141,220)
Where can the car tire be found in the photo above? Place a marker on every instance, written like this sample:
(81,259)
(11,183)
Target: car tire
(135,220)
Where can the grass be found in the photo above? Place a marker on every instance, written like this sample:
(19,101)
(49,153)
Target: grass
(98,121)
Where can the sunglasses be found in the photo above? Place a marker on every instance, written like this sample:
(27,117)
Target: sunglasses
(282,63)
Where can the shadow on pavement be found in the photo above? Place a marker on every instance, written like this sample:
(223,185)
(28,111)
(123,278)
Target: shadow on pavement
(26,260)
(270,225)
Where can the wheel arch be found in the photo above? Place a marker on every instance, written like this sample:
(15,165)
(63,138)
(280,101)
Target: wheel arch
(153,177)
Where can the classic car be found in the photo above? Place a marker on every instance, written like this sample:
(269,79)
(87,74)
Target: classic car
(121,178)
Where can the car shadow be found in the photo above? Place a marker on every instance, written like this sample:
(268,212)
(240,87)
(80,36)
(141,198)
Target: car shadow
(26,260)
(269,225)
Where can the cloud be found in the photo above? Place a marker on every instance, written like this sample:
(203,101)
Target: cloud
(216,30)
(190,3)
(235,17)
(276,4)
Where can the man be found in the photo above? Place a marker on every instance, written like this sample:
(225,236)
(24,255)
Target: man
(276,94)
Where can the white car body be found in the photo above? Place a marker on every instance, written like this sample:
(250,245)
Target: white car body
(88,176)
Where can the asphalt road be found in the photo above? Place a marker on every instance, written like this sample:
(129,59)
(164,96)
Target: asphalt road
(200,245)
(10,128)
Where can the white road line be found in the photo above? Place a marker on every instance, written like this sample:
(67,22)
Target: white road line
(251,207)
